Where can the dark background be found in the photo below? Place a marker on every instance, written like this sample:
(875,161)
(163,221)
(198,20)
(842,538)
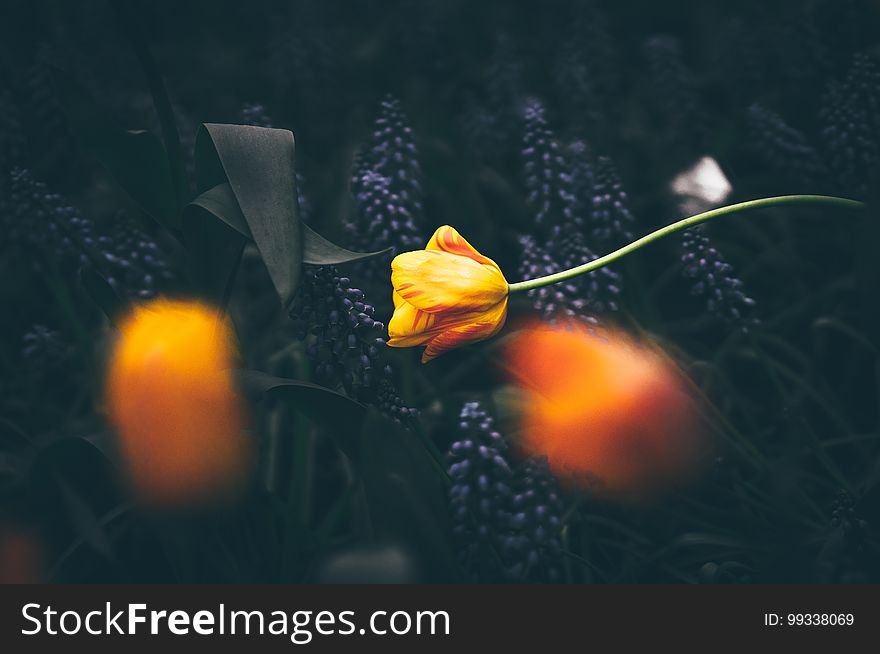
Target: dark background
(784,95)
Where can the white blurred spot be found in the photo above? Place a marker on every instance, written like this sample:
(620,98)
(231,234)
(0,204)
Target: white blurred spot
(701,187)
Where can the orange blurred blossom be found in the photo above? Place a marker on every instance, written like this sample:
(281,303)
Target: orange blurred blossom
(171,397)
(608,413)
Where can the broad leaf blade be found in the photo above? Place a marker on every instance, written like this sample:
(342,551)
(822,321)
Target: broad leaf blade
(215,251)
(317,250)
(321,252)
(258,163)
(340,415)
(406,496)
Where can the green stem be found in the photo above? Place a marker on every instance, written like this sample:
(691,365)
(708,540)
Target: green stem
(530,284)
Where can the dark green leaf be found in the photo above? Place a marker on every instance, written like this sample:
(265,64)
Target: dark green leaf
(71,482)
(340,415)
(321,252)
(258,163)
(136,160)
(102,294)
(214,249)
(220,201)
(406,494)
(317,250)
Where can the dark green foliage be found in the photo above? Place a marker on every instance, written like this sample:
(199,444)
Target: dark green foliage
(675,95)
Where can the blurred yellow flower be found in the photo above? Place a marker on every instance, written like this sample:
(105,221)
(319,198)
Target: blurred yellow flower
(445,296)
(171,397)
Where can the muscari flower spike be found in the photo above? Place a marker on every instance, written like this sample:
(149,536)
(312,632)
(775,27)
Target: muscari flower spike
(715,280)
(547,179)
(850,116)
(784,148)
(347,338)
(506,519)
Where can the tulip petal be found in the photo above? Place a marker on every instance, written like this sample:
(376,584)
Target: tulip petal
(437,281)
(409,326)
(447,239)
(486,325)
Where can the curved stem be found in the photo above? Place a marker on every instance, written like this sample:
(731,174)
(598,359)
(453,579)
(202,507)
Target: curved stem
(538,282)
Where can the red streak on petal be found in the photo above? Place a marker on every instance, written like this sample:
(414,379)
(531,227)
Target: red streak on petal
(414,293)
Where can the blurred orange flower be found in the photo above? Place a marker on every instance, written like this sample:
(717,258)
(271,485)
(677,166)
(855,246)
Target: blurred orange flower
(20,556)
(171,397)
(445,296)
(607,413)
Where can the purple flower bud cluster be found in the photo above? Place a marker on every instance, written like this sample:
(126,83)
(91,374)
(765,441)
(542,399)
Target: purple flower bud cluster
(562,194)
(43,348)
(506,520)
(562,300)
(715,280)
(611,220)
(581,298)
(43,223)
(384,218)
(387,187)
(536,520)
(348,340)
(601,288)
(136,266)
(39,222)
(392,153)
(255,114)
(785,149)
(850,118)
(547,179)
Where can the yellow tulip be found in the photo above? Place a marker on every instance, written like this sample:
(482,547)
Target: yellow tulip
(445,296)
